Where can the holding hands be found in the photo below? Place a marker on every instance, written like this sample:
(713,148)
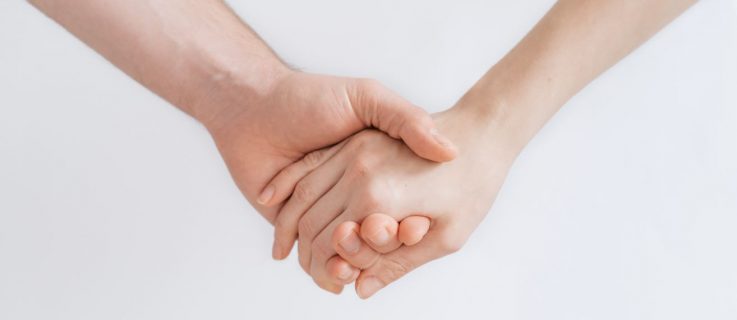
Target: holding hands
(258,135)
(371,173)
(364,181)
(369,210)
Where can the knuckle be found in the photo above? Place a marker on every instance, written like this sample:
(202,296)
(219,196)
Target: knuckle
(394,269)
(304,192)
(372,202)
(313,159)
(377,195)
(290,171)
(360,168)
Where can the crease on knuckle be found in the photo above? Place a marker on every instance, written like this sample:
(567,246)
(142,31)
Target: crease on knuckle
(289,171)
(393,269)
(369,262)
(364,93)
(313,159)
(359,168)
(304,192)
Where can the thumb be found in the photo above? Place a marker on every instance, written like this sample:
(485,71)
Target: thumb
(378,107)
(394,265)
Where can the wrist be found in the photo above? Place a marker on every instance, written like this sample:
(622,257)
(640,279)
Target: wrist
(228,89)
(481,126)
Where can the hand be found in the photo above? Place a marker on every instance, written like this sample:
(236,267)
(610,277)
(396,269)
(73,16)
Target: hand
(372,173)
(259,136)
(262,115)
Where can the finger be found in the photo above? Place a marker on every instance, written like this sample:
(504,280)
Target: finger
(324,247)
(380,232)
(331,287)
(348,244)
(325,210)
(412,229)
(341,271)
(398,263)
(381,108)
(282,185)
(321,247)
(307,192)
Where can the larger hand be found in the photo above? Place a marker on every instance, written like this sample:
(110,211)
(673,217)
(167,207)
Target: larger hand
(258,136)
(202,58)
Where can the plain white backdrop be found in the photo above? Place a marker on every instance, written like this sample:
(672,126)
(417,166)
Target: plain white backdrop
(115,205)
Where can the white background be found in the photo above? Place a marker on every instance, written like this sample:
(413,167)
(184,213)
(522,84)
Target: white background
(115,205)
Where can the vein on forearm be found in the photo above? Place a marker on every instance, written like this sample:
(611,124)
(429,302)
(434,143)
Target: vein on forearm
(181,50)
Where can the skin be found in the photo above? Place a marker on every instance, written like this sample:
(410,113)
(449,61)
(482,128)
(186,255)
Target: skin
(371,173)
(262,115)
(199,56)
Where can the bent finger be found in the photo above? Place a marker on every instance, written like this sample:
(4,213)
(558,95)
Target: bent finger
(282,185)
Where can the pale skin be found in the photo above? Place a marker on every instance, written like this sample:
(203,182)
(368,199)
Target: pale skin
(371,173)
(262,115)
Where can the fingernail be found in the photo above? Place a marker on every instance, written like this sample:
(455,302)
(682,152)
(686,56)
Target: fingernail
(350,243)
(266,195)
(440,138)
(381,237)
(368,287)
(276,251)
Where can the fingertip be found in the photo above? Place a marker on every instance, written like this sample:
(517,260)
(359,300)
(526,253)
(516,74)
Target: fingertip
(412,229)
(276,252)
(342,231)
(430,144)
(332,288)
(283,241)
(328,284)
(379,229)
(281,249)
(340,271)
(368,286)
(447,150)
(266,195)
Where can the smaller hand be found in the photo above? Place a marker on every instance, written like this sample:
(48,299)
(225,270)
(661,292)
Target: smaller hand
(372,173)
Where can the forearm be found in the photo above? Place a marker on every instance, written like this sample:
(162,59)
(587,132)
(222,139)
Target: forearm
(575,42)
(188,52)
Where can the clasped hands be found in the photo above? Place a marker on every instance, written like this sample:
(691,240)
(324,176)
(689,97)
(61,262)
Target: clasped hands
(361,178)
(368,184)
